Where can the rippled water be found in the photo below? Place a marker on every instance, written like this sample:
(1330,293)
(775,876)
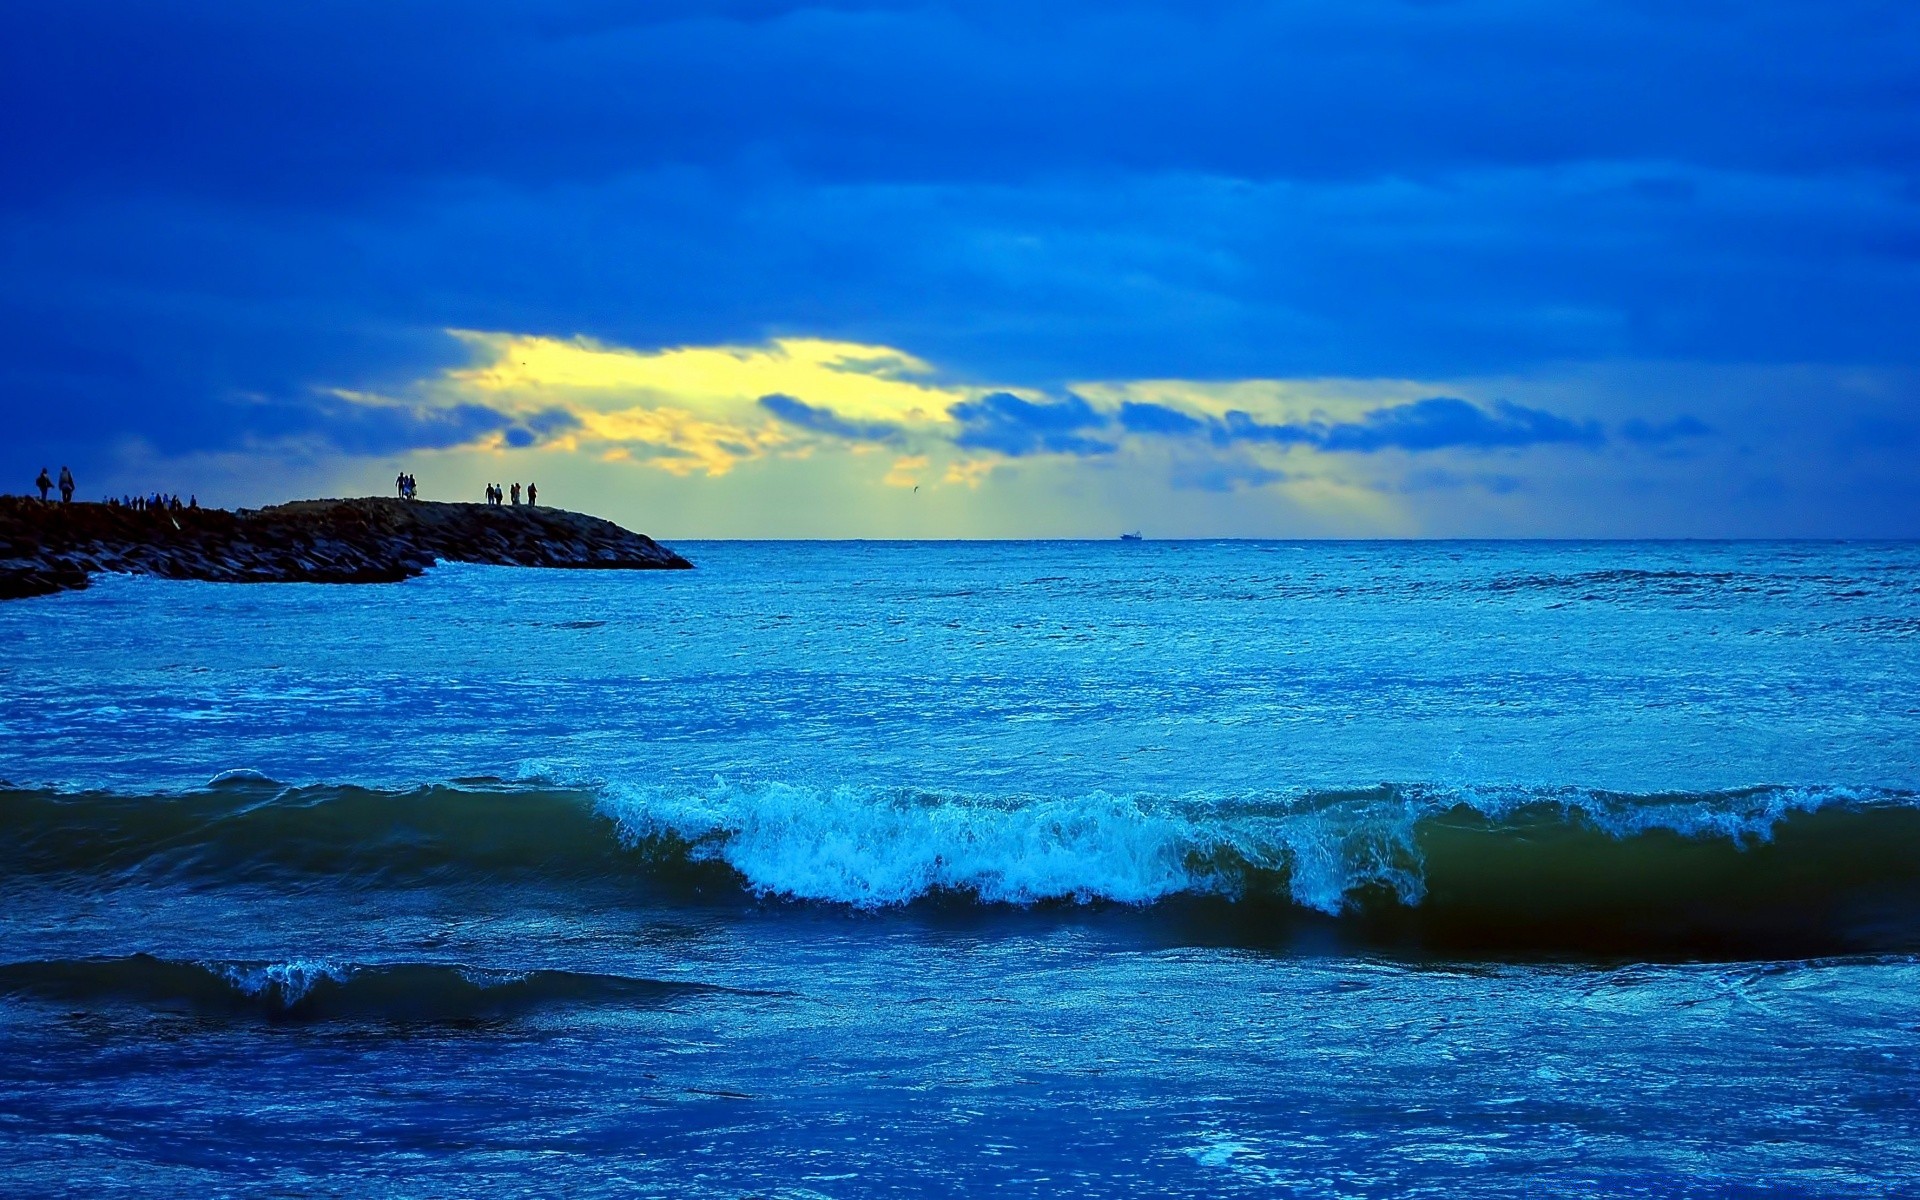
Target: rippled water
(1368,869)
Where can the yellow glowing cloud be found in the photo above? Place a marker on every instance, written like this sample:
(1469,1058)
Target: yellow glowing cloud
(905,472)
(857,381)
(970,471)
(878,417)
(696,409)
(681,442)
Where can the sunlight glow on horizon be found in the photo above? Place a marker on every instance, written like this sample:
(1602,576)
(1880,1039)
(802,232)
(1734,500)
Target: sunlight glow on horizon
(857,421)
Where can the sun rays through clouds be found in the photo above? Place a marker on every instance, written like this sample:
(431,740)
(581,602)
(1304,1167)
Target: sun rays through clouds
(856,419)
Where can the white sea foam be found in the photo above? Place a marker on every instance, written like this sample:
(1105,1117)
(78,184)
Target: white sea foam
(872,847)
(1739,815)
(284,983)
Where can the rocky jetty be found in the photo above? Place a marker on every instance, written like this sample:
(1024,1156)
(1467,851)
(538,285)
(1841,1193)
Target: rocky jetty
(53,547)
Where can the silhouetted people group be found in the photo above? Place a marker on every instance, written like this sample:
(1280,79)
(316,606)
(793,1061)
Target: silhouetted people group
(406,486)
(156,502)
(151,502)
(497,495)
(45,484)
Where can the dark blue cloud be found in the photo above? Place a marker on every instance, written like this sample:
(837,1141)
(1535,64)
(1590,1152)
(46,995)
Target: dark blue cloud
(550,422)
(1137,417)
(819,419)
(1436,423)
(1642,432)
(281,101)
(383,429)
(213,203)
(1443,422)
(1010,425)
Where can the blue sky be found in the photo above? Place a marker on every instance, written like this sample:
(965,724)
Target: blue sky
(994,269)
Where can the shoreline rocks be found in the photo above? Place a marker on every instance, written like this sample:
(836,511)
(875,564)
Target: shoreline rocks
(46,548)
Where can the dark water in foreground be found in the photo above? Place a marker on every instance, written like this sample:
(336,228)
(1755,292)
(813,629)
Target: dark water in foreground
(1354,870)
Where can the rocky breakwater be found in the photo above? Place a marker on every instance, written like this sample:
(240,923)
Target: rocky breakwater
(52,547)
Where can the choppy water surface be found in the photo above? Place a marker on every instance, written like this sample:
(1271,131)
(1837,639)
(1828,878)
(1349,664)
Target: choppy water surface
(845,870)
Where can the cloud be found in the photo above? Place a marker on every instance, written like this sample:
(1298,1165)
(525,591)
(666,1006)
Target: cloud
(970,473)
(1444,422)
(365,425)
(678,441)
(1642,432)
(1419,426)
(906,471)
(1222,475)
(824,420)
(859,380)
(1238,426)
(215,202)
(702,416)
(1010,425)
(1157,419)
(213,213)
(692,409)
(695,409)
(556,93)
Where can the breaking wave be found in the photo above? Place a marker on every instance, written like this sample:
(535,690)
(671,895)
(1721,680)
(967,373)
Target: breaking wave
(322,990)
(1775,868)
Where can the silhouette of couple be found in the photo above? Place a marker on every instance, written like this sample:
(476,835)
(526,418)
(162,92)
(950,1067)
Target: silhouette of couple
(45,484)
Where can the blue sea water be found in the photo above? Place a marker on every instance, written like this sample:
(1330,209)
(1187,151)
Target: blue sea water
(952,869)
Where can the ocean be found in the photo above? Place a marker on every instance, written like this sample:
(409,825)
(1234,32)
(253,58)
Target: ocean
(1324,869)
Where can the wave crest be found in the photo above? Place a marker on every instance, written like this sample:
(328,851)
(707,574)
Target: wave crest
(1765,868)
(1329,851)
(321,990)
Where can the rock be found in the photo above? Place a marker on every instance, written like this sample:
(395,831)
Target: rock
(19,583)
(48,548)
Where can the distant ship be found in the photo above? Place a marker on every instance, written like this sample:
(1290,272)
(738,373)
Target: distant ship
(1129,537)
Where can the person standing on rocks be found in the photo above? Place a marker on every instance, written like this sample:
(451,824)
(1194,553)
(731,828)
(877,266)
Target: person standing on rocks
(516,495)
(533,494)
(43,483)
(66,486)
